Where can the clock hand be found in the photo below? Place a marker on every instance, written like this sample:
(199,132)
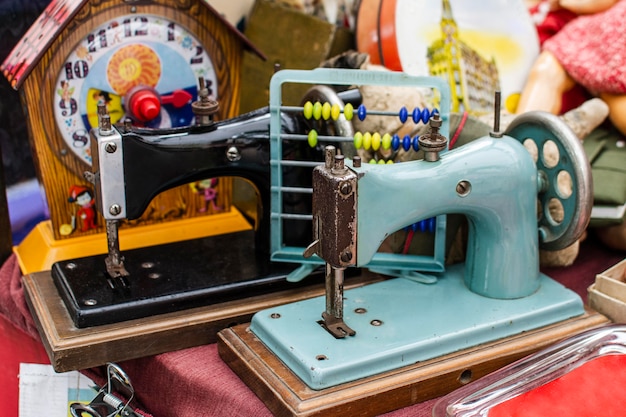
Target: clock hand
(144,103)
(178,98)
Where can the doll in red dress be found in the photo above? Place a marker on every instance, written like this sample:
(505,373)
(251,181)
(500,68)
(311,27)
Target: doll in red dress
(589,50)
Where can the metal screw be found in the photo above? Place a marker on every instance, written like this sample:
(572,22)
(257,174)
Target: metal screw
(345,188)
(376,322)
(110,147)
(463,188)
(275,315)
(71,266)
(154,275)
(90,302)
(115,209)
(346,256)
(232,154)
(360,310)
(147,265)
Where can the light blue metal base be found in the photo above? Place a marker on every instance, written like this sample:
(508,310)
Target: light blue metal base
(417,322)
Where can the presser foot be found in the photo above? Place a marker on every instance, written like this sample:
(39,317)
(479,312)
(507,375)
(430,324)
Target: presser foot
(116,273)
(336,326)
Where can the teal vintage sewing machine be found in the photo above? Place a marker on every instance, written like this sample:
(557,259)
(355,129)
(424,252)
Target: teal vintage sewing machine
(508,197)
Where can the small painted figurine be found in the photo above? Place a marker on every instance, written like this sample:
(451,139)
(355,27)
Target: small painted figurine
(83,197)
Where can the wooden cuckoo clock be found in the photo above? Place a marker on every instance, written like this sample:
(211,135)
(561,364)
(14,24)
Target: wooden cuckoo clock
(144,59)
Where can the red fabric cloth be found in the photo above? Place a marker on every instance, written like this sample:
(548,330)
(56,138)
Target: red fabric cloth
(196,381)
(592,49)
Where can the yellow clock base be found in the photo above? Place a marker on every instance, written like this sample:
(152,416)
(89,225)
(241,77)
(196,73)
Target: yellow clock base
(39,250)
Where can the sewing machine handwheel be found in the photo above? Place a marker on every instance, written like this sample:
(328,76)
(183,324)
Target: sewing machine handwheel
(565,188)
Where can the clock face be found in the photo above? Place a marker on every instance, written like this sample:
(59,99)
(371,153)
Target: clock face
(142,67)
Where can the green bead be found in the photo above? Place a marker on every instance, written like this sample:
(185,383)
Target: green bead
(308,110)
(386,141)
(376,141)
(389,162)
(367,141)
(381,162)
(348,111)
(312,138)
(326,111)
(358,140)
(373,161)
(317,110)
(335,111)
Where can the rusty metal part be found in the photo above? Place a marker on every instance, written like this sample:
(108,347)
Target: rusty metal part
(433,142)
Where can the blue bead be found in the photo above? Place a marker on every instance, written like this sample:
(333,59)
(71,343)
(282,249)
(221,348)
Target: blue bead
(414,227)
(361,112)
(434,111)
(416,144)
(395,142)
(406,143)
(422,225)
(404,114)
(425,116)
(431,224)
(417,115)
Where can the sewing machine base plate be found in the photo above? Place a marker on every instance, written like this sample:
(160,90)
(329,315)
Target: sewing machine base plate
(71,348)
(287,395)
(399,321)
(170,277)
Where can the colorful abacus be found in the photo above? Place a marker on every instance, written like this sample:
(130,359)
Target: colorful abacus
(366,140)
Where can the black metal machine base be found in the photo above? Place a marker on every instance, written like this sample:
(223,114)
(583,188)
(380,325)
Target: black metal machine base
(171,277)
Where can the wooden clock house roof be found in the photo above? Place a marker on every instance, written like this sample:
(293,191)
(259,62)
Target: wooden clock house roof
(59,13)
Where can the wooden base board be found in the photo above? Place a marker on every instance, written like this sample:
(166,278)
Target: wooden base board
(71,348)
(286,395)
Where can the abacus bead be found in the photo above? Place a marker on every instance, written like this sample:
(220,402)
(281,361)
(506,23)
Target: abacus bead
(335,111)
(317,110)
(406,142)
(386,141)
(358,140)
(417,115)
(361,112)
(414,227)
(326,111)
(395,142)
(367,140)
(307,110)
(425,116)
(389,162)
(431,225)
(376,139)
(312,138)
(422,225)
(348,111)
(416,145)
(381,162)
(373,161)
(404,114)
(434,111)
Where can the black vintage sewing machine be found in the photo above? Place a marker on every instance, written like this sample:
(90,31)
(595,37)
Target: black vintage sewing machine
(132,165)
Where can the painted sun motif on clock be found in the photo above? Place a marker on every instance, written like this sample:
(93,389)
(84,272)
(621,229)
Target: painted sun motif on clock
(142,67)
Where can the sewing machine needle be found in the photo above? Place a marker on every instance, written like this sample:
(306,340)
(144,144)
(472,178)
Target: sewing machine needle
(333,316)
(114,260)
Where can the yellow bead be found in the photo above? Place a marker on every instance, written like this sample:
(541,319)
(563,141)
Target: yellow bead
(373,161)
(375,141)
(386,141)
(317,110)
(367,140)
(389,162)
(335,111)
(381,162)
(308,110)
(326,111)
(312,138)
(348,111)
(358,140)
